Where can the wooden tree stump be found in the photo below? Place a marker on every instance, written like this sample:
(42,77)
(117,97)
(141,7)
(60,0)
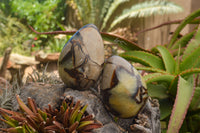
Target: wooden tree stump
(5,62)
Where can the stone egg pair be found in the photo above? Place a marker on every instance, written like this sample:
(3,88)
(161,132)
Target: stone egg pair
(81,63)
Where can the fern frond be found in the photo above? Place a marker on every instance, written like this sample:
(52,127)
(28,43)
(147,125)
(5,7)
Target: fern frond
(111,9)
(147,8)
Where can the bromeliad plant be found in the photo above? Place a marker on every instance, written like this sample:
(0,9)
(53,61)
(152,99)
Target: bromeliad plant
(69,118)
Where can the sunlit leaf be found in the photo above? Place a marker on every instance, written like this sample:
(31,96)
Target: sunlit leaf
(169,62)
(187,20)
(155,77)
(144,58)
(184,96)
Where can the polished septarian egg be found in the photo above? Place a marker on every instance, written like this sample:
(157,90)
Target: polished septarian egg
(81,60)
(123,89)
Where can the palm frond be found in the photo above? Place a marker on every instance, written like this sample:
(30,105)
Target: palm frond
(147,8)
(111,9)
(105,5)
(93,5)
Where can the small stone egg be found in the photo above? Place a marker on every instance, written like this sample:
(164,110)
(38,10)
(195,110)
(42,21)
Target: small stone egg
(123,90)
(81,60)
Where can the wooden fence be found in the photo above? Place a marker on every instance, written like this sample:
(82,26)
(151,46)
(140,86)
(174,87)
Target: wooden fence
(162,35)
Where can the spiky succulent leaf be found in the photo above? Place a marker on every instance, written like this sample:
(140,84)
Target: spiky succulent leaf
(150,69)
(194,44)
(146,59)
(185,91)
(42,114)
(169,62)
(67,119)
(187,20)
(189,72)
(173,86)
(122,42)
(32,105)
(147,8)
(165,108)
(155,77)
(89,127)
(23,106)
(19,129)
(158,91)
(9,120)
(192,60)
(73,127)
(183,41)
(74,113)
(84,123)
(80,114)
(195,100)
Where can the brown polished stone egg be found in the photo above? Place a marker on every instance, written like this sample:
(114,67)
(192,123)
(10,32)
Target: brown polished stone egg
(81,60)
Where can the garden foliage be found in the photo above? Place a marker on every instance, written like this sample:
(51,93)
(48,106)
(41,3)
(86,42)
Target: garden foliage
(173,77)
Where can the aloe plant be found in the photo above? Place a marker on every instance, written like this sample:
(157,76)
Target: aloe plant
(69,118)
(164,68)
(172,72)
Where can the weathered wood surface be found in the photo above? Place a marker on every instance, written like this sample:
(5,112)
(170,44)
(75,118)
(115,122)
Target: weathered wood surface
(3,66)
(161,35)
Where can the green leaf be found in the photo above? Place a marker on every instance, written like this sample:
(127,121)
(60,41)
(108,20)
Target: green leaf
(122,42)
(10,121)
(197,36)
(84,123)
(74,113)
(42,114)
(29,129)
(183,99)
(173,86)
(165,108)
(191,17)
(147,8)
(150,69)
(158,91)
(145,58)
(18,129)
(169,62)
(191,61)
(155,77)
(80,114)
(190,48)
(194,44)
(196,99)
(190,72)
(183,41)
